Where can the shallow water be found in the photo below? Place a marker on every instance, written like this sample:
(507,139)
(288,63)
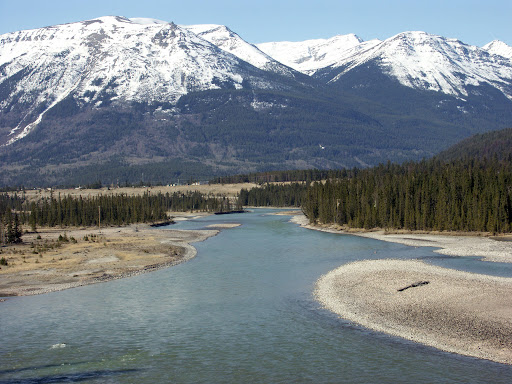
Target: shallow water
(242,311)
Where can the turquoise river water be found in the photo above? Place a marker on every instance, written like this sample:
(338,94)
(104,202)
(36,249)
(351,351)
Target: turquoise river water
(241,311)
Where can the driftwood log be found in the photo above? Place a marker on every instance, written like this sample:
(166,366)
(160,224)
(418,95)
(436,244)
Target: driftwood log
(418,284)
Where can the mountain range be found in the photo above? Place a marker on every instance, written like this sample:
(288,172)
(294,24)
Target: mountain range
(132,99)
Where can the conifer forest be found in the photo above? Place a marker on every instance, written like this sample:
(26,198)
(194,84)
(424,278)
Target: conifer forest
(471,195)
(112,209)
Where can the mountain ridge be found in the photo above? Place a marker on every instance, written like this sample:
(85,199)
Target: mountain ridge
(143,62)
(498,47)
(418,60)
(496,145)
(130,96)
(231,42)
(310,55)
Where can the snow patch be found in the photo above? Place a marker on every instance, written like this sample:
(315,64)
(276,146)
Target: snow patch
(146,21)
(310,55)
(498,47)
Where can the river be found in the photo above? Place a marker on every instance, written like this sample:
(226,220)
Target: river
(241,311)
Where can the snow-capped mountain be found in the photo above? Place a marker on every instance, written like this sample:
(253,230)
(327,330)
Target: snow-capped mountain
(416,59)
(147,21)
(116,95)
(311,55)
(229,41)
(497,47)
(111,60)
(433,63)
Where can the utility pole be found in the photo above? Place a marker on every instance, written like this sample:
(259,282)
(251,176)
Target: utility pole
(99,218)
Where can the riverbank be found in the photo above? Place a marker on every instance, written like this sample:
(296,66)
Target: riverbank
(497,249)
(451,310)
(454,311)
(57,259)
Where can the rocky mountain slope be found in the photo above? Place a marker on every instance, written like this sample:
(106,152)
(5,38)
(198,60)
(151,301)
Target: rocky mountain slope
(110,60)
(138,98)
(415,59)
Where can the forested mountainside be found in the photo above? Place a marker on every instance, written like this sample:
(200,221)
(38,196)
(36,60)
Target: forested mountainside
(492,145)
(466,188)
(123,100)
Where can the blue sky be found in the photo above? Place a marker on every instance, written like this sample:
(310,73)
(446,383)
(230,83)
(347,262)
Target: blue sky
(473,22)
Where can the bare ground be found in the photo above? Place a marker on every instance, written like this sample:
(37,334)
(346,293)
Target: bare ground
(455,311)
(44,264)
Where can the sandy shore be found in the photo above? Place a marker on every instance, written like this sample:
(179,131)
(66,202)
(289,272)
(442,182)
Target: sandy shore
(451,310)
(224,225)
(455,311)
(488,248)
(44,264)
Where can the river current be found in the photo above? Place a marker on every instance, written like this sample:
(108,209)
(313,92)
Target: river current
(241,311)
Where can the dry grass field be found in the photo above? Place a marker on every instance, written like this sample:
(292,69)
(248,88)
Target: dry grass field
(228,190)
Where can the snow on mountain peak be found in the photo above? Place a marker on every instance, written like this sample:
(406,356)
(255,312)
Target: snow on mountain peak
(310,55)
(146,21)
(202,28)
(113,59)
(231,42)
(425,61)
(497,47)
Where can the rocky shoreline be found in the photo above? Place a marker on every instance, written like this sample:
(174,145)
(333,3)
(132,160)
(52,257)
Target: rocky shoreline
(455,311)
(486,247)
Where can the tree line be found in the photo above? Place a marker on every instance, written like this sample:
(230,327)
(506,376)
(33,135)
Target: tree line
(113,209)
(463,195)
(10,226)
(274,195)
(460,195)
(306,175)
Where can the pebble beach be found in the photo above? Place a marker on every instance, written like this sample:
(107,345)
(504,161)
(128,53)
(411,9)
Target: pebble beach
(454,311)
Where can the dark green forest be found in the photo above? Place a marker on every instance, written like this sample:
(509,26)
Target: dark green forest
(306,175)
(463,195)
(274,195)
(114,209)
(467,188)
(492,145)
